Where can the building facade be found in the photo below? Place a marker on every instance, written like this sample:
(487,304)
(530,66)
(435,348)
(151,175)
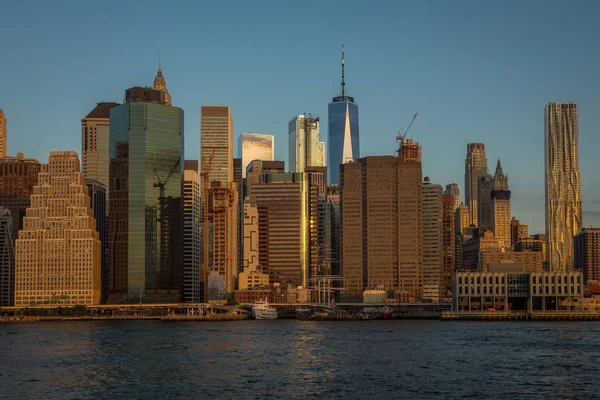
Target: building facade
(518,231)
(58,252)
(3,136)
(501,212)
(475,168)
(433,241)
(255,146)
(381,241)
(192,248)
(95,143)
(531,244)
(305,147)
(18,177)
(485,208)
(7,258)
(146,199)
(461,218)
(587,253)
(342,135)
(563,191)
(216,134)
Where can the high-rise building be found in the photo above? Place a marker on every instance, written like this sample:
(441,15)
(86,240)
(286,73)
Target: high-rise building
(342,134)
(287,206)
(461,218)
(448,241)
(95,143)
(98,204)
(433,236)
(18,177)
(333,198)
(216,134)
(475,167)
(58,252)
(453,190)
(192,205)
(485,208)
(501,207)
(256,168)
(382,223)
(255,146)
(305,146)
(2,134)
(7,258)
(223,252)
(587,253)
(161,85)
(146,198)
(563,191)
(518,231)
(251,256)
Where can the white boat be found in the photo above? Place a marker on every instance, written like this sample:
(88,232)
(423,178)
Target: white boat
(261,310)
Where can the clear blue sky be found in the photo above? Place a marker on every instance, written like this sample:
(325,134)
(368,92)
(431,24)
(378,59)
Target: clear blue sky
(474,70)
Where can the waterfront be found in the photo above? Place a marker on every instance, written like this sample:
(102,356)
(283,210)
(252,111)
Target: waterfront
(300,359)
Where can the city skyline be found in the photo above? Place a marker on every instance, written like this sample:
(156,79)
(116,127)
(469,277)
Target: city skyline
(493,74)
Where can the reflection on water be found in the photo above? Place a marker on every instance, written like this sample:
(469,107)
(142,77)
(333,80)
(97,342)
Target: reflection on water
(299,359)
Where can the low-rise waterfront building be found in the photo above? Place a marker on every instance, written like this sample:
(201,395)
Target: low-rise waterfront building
(509,288)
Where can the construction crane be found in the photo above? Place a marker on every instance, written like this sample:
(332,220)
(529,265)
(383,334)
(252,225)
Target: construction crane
(162,218)
(206,167)
(401,136)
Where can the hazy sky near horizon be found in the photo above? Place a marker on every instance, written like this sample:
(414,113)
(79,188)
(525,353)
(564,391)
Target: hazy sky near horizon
(475,71)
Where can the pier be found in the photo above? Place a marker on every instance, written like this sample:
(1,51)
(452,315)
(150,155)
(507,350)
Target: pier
(520,316)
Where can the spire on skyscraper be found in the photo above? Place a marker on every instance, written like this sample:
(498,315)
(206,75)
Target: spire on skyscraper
(499,172)
(343,75)
(160,84)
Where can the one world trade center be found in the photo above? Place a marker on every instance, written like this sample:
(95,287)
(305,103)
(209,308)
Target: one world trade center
(342,135)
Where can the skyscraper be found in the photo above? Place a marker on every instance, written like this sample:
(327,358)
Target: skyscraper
(146,198)
(501,207)
(563,192)
(18,177)
(2,134)
(98,204)
(58,250)
(587,253)
(7,258)
(449,241)
(382,223)
(433,262)
(475,168)
(255,146)
(342,134)
(518,231)
(287,206)
(453,190)
(95,143)
(191,233)
(461,218)
(223,252)
(305,146)
(485,209)
(216,133)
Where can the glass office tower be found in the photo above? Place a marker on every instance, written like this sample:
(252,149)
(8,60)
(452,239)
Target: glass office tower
(146,210)
(342,135)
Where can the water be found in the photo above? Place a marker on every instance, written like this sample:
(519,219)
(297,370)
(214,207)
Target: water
(300,359)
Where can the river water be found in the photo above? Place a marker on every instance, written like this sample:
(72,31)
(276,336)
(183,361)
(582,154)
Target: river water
(300,359)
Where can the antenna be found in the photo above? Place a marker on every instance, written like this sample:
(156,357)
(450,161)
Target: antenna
(343,77)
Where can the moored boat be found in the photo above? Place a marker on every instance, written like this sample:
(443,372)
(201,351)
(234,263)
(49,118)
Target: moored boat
(262,310)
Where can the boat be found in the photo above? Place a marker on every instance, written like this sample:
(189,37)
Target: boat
(261,310)
(386,313)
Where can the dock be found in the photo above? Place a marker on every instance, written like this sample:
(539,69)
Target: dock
(520,316)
